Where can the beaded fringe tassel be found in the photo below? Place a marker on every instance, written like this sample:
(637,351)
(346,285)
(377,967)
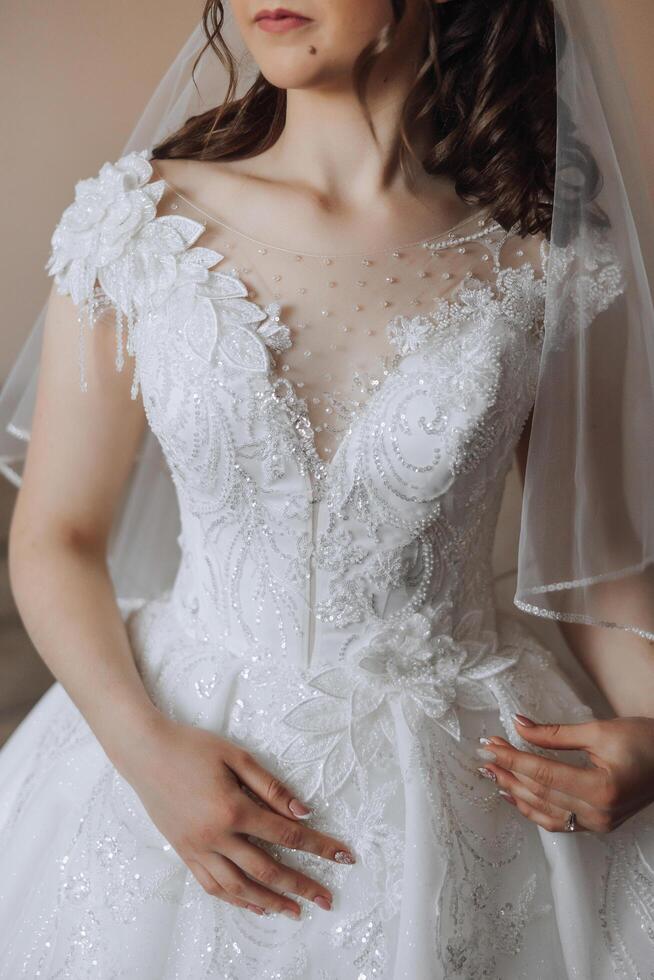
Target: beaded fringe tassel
(87,317)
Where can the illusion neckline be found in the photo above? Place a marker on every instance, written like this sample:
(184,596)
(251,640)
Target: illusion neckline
(389,250)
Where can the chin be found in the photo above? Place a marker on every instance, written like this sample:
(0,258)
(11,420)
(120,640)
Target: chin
(292,68)
(296,77)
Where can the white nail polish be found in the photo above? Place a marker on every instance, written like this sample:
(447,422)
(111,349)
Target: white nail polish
(296,809)
(486,755)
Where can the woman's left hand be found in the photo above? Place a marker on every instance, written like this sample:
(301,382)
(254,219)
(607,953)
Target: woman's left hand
(619,783)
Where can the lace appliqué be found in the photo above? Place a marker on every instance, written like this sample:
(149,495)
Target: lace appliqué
(423,662)
(111,235)
(586,279)
(336,618)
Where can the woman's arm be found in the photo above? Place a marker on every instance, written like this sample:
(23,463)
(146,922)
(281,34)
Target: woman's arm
(81,451)
(190,781)
(619,782)
(621,663)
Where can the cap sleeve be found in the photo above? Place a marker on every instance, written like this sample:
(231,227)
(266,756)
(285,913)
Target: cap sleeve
(109,249)
(584,278)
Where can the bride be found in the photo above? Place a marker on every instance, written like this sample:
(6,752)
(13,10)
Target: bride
(322,751)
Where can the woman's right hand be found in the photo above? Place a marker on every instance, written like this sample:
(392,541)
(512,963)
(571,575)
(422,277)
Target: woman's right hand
(189,781)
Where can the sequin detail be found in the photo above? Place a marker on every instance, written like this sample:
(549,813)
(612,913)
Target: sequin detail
(336,616)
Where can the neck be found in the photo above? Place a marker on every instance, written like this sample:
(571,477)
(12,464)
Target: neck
(327,144)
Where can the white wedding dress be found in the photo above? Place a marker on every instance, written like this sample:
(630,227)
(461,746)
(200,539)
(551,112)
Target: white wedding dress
(338,429)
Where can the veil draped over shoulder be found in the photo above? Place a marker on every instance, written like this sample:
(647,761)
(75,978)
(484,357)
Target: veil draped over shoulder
(586,541)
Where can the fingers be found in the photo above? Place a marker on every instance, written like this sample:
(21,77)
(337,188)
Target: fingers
(532,804)
(279,830)
(550,774)
(238,887)
(566,801)
(553,819)
(276,876)
(282,826)
(596,787)
(598,820)
(211,886)
(542,799)
(543,796)
(266,786)
(581,735)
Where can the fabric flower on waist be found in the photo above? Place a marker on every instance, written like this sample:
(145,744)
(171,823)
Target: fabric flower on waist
(432,671)
(424,663)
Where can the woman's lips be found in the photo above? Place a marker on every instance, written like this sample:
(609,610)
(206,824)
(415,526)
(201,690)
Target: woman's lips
(277,25)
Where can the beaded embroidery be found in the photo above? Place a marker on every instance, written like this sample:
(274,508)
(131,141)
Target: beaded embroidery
(335,616)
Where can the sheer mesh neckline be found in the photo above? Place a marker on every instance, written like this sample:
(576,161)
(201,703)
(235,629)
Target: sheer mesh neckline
(332,331)
(389,250)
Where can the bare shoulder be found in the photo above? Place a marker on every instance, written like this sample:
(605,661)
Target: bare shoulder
(202,179)
(229,189)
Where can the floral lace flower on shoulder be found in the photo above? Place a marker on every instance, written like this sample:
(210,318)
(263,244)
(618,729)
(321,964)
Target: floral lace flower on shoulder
(110,249)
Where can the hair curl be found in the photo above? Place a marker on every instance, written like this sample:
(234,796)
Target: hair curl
(486,81)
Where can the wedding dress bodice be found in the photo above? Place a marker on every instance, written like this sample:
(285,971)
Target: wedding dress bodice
(339,470)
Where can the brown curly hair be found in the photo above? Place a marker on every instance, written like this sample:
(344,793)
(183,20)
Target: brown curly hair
(486,79)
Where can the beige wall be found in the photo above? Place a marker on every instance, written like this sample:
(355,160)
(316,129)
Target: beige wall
(74,78)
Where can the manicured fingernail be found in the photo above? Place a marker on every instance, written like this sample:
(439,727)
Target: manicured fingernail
(344,857)
(507,796)
(486,755)
(523,720)
(487,773)
(484,740)
(257,909)
(323,902)
(299,809)
(291,913)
